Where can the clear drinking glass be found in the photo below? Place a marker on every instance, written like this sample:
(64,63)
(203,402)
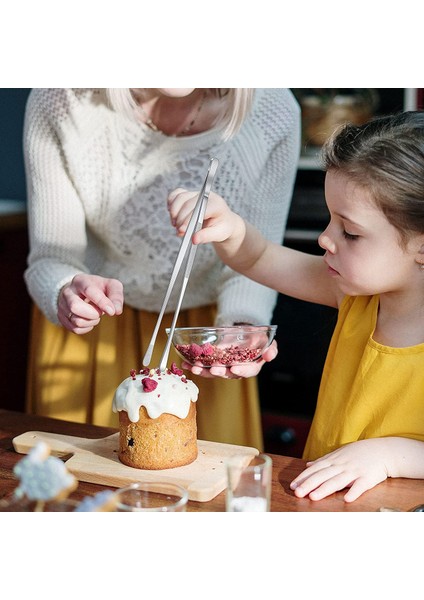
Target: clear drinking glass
(151,496)
(249,487)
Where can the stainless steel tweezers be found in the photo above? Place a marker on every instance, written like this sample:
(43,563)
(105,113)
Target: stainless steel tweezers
(195,223)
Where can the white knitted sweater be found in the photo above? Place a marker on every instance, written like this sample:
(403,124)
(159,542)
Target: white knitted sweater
(97,186)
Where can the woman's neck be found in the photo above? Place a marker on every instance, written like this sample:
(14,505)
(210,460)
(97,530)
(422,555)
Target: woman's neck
(187,115)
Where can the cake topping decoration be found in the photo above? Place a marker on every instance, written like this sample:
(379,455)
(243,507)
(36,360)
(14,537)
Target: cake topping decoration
(175,370)
(174,393)
(209,355)
(208,349)
(149,384)
(196,350)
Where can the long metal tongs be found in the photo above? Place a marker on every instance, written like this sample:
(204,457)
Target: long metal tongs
(195,223)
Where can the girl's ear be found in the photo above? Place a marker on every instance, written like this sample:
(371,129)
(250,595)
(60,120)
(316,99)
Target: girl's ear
(419,258)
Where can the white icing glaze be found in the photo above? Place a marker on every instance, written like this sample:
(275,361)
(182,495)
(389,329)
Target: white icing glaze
(172,395)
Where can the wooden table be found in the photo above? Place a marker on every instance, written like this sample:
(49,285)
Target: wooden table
(400,493)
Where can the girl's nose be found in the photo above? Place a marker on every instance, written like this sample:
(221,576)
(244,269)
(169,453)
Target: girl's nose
(326,243)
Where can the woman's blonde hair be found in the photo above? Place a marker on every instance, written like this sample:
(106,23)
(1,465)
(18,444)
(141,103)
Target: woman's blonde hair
(238,106)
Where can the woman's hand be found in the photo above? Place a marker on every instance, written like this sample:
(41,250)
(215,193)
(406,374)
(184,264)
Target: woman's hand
(83,301)
(358,466)
(247,370)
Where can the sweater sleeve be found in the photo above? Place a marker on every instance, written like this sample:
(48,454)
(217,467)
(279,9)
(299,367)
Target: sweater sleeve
(55,215)
(241,299)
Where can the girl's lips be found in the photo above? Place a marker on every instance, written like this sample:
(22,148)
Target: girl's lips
(331,270)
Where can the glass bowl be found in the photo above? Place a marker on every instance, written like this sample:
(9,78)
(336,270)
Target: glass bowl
(222,346)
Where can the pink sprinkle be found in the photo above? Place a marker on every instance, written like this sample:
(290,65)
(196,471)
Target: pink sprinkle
(214,355)
(149,384)
(175,370)
(196,350)
(208,349)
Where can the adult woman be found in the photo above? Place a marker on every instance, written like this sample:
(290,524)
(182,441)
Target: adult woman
(100,165)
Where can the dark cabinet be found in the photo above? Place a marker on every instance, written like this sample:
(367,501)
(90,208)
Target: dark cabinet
(14,311)
(14,299)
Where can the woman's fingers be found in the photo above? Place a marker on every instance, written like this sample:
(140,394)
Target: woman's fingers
(83,302)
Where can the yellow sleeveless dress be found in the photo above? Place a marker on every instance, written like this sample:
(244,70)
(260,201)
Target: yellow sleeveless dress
(73,377)
(367,390)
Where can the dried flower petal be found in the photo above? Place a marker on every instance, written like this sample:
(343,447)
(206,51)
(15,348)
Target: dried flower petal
(215,355)
(149,384)
(175,370)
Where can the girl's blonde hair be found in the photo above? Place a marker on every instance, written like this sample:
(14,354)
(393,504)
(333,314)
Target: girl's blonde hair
(238,106)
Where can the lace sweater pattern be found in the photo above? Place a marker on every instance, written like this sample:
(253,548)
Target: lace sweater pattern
(97,185)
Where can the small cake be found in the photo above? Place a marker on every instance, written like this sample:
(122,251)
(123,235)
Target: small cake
(157,419)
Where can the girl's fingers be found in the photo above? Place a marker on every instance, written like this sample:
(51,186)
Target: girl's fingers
(181,204)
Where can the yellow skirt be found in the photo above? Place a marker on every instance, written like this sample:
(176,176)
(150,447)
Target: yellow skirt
(74,377)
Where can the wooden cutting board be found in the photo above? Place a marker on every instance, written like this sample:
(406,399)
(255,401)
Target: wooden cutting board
(96,461)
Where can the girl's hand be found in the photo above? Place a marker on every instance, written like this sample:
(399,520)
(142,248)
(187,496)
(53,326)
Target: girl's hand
(83,301)
(219,221)
(359,466)
(247,370)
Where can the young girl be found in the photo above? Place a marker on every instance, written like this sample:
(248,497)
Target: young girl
(369,420)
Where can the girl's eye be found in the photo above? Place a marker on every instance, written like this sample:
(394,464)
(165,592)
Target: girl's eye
(350,236)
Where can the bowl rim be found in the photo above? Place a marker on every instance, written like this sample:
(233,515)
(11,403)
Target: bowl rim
(231,329)
(253,328)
